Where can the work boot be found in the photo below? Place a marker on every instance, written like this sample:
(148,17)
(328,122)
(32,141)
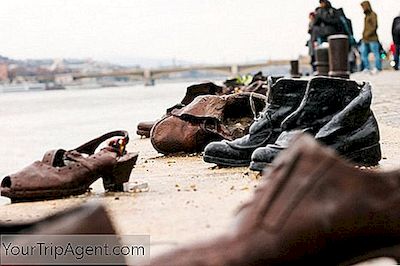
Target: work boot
(207,88)
(337,112)
(312,209)
(284,97)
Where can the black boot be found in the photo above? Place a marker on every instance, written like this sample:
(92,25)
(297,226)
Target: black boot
(337,112)
(284,97)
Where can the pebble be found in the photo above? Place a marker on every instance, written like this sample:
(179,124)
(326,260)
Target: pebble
(136,188)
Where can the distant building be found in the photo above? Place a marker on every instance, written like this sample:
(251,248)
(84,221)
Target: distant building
(3,72)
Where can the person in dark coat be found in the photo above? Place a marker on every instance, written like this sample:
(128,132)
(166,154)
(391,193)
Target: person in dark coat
(327,22)
(396,40)
(370,40)
(310,42)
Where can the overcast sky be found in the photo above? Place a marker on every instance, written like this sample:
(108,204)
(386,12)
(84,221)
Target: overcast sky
(202,31)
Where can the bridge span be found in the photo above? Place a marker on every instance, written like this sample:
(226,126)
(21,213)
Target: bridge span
(149,75)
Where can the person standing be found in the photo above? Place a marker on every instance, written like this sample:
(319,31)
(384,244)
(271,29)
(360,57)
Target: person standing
(326,22)
(396,41)
(310,42)
(370,40)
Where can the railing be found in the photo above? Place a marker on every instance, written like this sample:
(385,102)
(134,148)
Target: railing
(148,75)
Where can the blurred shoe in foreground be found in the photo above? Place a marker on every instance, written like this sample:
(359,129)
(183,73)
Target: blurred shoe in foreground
(89,220)
(313,208)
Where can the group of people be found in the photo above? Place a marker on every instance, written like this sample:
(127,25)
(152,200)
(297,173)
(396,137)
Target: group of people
(327,21)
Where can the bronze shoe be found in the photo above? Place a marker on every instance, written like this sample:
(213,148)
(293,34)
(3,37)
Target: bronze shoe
(208,118)
(207,88)
(89,219)
(144,128)
(312,209)
(64,173)
(257,85)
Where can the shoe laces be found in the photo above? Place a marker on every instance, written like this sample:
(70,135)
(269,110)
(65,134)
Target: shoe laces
(263,114)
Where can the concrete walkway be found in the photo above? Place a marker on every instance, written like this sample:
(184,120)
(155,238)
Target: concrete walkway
(190,200)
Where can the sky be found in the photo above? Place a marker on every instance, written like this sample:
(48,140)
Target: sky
(198,31)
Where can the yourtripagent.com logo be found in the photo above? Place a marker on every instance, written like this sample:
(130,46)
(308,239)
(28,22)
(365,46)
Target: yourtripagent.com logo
(74,249)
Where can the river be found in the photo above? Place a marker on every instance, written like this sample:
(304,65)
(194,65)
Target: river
(33,122)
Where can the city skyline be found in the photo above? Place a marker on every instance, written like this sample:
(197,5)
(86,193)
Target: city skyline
(206,31)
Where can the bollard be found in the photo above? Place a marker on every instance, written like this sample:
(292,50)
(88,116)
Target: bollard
(339,56)
(322,61)
(294,69)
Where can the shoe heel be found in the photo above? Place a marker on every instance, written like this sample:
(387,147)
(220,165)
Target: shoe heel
(120,173)
(369,156)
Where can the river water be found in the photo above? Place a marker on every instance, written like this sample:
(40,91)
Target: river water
(33,122)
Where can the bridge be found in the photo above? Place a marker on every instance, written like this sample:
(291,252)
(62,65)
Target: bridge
(149,75)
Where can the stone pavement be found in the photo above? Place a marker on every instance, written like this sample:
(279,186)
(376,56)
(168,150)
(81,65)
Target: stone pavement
(190,200)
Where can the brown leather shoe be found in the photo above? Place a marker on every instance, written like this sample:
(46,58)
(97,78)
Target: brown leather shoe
(206,88)
(208,118)
(257,85)
(313,209)
(144,128)
(87,219)
(64,173)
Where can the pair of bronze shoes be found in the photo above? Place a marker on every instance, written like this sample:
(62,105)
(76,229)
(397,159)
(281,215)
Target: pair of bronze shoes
(313,208)
(64,173)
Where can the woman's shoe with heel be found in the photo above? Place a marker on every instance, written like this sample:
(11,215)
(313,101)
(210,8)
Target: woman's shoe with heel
(64,173)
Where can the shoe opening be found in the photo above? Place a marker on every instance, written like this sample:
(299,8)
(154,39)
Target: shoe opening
(6,182)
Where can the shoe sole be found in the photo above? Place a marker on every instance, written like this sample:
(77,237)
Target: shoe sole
(258,166)
(226,162)
(368,156)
